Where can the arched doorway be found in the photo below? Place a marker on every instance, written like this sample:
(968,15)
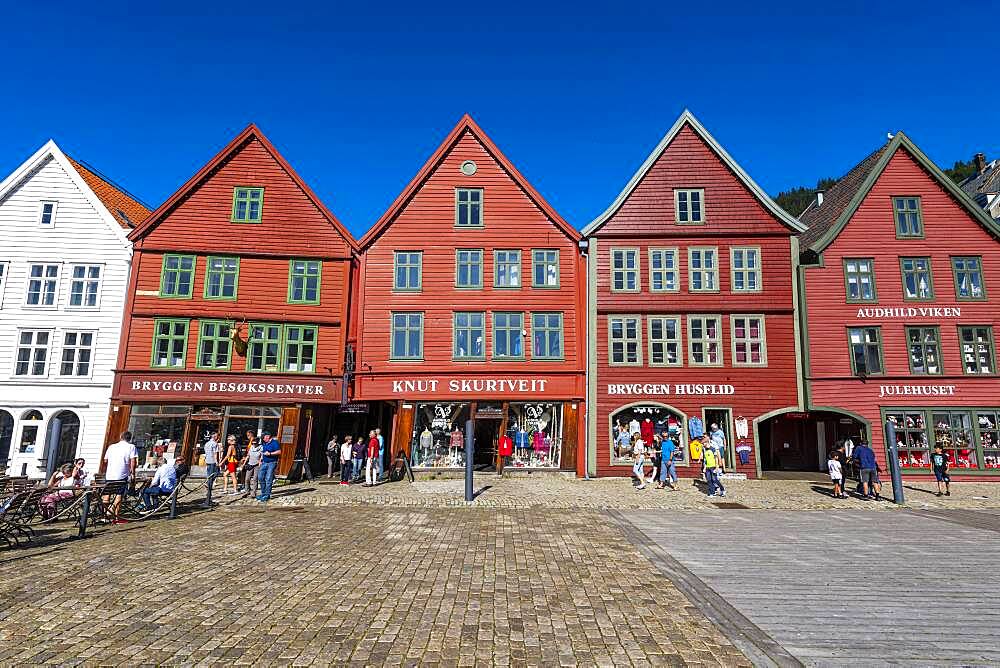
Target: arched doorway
(6,436)
(645,418)
(68,424)
(801,441)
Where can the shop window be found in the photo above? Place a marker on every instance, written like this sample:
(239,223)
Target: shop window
(31,425)
(545,269)
(221,277)
(977,350)
(859,280)
(47,214)
(624,269)
(746,269)
(689,206)
(704,340)
(158,431)
(469,207)
(988,423)
(643,421)
(469,268)
(300,349)
(43,284)
(703,269)
(169,342)
(439,435)
(469,334)
(408,270)
(254,419)
(953,432)
(664,340)
(909,219)
(32,352)
(547,336)
(749,340)
(77,354)
(507,269)
(177,276)
(925,350)
(913,446)
(624,342)
(214,344)
(917,283)
(536,430)
(866,350)
(407,342)
(263,347)
(248,205)
(968,274)
(663,274)
(85,286)
(303,281)
(508,336)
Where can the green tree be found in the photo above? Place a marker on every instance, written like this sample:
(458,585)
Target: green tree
(796,200)
(961,170)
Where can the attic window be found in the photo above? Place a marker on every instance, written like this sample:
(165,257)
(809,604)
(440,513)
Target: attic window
(47,214)
(248,205)
(689,206)
(909,218)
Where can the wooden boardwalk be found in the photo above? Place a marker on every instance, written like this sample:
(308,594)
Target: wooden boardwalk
(838,587)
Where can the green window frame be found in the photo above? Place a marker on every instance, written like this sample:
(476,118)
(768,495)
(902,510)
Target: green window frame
(469,268)
(703,269)
(215,344)
(507,268)
(664,273)
(625,270)
(170,337)
(222,275)
(865,345)
(546,336)
(304,277)
(508,335)
(859,280)
(913,441)
(749,337)
(468,335)
(705,340)
(977,350)
(918,281)
(177,276)
(406,337)
(923,345)
(545,268)
(468,207)
(908,216)
(624,340)
(967,271)
(407,271)
(665,340)
(299,348)
(689,206)
(248,205)
(263,347)
(746,273)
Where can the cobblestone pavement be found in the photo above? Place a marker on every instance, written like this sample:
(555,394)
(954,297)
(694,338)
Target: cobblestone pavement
(351,585)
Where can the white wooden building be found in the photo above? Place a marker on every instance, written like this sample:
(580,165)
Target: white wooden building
(64,267)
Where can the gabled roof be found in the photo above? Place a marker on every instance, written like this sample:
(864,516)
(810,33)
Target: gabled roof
(126,209)
(250,132)
(687,119)
(986,182)
(844,198)
(466,124)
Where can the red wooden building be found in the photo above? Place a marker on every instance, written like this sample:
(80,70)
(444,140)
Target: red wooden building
(901,286)
(469,287)
(692,305)
(236,312)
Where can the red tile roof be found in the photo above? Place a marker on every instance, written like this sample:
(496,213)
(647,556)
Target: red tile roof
(128,211)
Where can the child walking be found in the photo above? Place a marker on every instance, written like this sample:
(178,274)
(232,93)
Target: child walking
(836,475)
(939,462)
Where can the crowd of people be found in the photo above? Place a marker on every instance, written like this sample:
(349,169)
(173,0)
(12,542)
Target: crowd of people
(361,460)
(708,454)
(248,468)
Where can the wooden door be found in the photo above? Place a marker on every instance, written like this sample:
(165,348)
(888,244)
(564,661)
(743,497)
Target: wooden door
(570,436)
(288,437)
(402,439)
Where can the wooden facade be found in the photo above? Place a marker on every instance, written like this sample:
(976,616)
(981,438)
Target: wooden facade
(244,254)
(472,271)
(690,257)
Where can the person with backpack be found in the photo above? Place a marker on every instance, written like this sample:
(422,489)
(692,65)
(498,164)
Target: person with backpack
(332,453)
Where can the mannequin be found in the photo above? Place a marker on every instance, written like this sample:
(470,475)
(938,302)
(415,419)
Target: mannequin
(646,430)
(521,442)
(634,427)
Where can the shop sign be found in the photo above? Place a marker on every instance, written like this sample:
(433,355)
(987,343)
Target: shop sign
(911,312)
(354,407)
(201,387)
(916,390)
(669,389)
(217,387)
(471,386)
(489,411)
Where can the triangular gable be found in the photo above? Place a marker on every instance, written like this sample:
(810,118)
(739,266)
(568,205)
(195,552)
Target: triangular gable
(51,150)
(465,124)
(687,118)
(901,141)
(250,132)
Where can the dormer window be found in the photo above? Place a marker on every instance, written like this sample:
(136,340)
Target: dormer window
(47,214)
(469,207)
(248,205)
(689,206)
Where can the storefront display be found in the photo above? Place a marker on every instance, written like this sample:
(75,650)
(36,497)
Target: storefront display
(970,439)
(536,432)
(439,436)
(646,420)
(157,430)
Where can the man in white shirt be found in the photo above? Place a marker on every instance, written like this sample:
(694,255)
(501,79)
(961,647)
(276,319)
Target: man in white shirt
(212,457)
(120,460)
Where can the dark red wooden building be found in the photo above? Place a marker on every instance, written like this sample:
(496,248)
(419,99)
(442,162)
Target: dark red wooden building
(236,312)
(901,286)
(469,290)
(692,306)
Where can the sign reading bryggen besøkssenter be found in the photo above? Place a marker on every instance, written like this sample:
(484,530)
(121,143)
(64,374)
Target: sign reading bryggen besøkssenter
(219,387)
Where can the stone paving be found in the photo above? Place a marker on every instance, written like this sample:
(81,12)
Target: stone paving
(359,586)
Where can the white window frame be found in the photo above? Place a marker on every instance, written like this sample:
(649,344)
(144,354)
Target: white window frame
(687,194)
(63,347)
(4,273)
(52,216)
(55,290)
(762,339)
(84,280)
(691,340)
(702,271)
(676,270)
(758,272)
(625,340)
(48,351)
(679,341)
(626,254)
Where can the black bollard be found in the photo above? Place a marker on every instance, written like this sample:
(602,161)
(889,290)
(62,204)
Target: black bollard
(84,513)
(469,449)
(208,491)
(897,475)
(173,503)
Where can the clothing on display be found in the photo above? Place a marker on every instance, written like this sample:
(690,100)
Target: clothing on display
(535,431)
(696,427)
(696,449)
(634,427)
(505,446)
(742,427)
(646,430)
(645,421)
(438,438)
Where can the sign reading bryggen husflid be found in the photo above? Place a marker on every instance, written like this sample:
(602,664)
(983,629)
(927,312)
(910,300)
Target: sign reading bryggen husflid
(236,311)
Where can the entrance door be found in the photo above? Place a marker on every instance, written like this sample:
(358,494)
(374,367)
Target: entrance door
(487,435)
(722,417)
(199,431)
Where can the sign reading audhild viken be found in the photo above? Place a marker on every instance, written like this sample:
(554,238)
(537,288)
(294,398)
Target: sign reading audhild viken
(910,312)
(669,389)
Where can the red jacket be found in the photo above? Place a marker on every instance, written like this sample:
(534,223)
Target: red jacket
(505,446)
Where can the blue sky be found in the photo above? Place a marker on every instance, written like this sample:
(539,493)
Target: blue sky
(576,94)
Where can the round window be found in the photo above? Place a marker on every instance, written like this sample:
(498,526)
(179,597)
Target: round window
(468,168)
